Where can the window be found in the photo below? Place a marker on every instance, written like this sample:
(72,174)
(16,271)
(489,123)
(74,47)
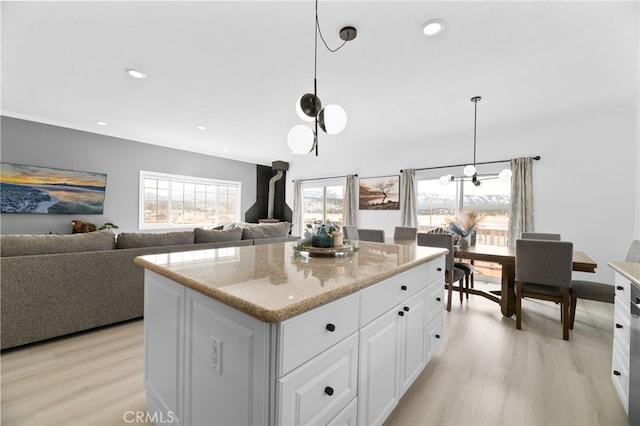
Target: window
(322,203)
(183,201)
(492,199)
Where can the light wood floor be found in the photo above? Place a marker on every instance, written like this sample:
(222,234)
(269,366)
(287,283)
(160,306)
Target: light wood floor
(485,373)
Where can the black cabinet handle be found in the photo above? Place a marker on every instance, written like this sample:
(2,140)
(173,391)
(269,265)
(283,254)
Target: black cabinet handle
(406,309)
(331,327)
(437,336)
(619,287)
(438,299)
(616,373)
(618,325)
(403,287)
(439,269)
(328,390)
(401,313)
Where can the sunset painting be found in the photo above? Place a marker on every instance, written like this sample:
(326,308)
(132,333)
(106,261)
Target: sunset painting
(32,189)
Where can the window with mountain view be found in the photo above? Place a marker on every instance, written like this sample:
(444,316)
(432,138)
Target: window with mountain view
(183,201)
(492,199)
(322,204)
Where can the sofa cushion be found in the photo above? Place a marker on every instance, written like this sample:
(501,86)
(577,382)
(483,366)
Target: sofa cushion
(32,244)
(128,240)
(266,230)
(217,236)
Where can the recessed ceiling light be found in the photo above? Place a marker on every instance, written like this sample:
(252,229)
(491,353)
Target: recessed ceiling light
(135,73)
(101,123)
(201,128)
(433,26)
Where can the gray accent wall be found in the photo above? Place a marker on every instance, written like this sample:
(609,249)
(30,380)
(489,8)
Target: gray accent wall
(37,144)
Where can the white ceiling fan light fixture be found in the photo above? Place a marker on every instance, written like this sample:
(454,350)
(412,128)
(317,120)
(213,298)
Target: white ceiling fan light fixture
(135,73)
(433,27)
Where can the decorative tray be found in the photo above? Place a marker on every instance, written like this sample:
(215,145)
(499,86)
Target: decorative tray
(326,252)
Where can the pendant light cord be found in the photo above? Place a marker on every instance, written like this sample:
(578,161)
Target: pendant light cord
(475,119)
(322,37)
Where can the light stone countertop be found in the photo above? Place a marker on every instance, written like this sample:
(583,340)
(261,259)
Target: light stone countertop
(628,270)
(272,284)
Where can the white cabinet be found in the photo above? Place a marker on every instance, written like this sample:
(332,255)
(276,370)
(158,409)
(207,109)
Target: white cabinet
(344,363)
(621,339)
(395,347)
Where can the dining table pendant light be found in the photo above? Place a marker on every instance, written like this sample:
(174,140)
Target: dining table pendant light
(332,119)
(470,170)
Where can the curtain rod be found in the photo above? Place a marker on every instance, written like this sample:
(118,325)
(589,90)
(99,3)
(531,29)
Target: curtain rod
(537,157)
(322,178)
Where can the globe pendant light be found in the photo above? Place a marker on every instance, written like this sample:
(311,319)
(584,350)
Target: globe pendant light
(331,119)
(470,170)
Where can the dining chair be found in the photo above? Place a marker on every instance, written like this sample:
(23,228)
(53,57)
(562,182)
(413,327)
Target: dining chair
(540,236)
(600,292)
(404,233)
(373,235)
(468,268)
(543,271)
(451,273)
(350,232)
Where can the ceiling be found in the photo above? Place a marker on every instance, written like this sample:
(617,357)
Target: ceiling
(237,67)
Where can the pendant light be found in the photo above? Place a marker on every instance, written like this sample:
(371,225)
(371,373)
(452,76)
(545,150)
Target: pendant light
(470,170)
(332,119)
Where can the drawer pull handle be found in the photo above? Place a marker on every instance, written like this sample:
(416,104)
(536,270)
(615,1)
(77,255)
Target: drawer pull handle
(406,309)
(616,373)
(328,390)
(618,325)
(331,327)
(438,299)
(401,313)
(403,287)
(437,336)
(439,269)
(619,287)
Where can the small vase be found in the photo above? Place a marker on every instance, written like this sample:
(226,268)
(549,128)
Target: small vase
(322,239)
(464,241)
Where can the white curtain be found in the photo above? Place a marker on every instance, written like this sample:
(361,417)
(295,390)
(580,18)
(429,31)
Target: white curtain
(408,199)
(298,216)
(521,218)
(350,202)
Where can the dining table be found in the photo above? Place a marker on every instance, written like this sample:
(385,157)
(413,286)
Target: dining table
(506,257)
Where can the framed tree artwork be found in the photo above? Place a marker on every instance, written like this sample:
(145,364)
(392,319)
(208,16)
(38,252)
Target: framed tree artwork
(380,193)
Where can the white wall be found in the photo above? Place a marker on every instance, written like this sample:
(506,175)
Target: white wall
(585,186)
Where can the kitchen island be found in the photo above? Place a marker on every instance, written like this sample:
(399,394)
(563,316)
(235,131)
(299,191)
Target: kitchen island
(267,334)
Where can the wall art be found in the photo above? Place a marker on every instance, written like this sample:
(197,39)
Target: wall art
(380,193)
(43,190)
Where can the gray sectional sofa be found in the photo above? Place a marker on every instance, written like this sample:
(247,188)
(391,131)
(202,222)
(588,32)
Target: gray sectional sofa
(53,285)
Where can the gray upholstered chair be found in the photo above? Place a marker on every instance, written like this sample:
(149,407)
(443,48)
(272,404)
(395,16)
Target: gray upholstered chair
(601,292)
(543,271)
(540,236)
(404,233)
(350,232)
(451,273)
(373,235)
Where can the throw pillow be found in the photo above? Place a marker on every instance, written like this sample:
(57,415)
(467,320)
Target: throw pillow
(128,240)
(217,236)
(266,230)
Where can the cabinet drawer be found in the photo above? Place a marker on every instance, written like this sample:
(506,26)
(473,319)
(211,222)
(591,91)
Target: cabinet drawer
(623,289)
(620,375)
(348,416)
(320,389)
(305,336)
(622,326)
(379,298)
(435,299)
(434,336)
